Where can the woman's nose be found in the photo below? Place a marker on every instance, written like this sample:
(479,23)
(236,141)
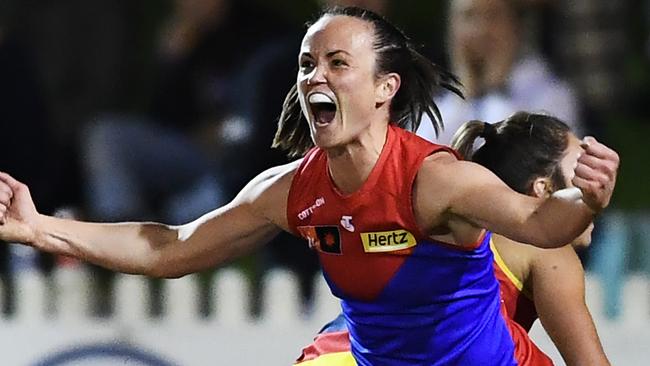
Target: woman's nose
(317,76)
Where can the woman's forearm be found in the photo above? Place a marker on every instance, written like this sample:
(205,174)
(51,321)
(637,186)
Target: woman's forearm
(124,247)
(557,221)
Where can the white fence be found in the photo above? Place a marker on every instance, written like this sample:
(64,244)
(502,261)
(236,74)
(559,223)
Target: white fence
(51,328)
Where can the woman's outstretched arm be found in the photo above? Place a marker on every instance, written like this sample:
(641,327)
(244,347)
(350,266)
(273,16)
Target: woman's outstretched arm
(256,215)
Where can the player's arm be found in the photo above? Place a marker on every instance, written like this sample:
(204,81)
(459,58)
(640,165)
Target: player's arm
(254,216)
(462,191)
(559,295)
(449,190)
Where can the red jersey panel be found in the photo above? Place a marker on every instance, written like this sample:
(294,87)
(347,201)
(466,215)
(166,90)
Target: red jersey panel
(341,246)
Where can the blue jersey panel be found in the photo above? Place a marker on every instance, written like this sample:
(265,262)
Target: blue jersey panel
(434,315)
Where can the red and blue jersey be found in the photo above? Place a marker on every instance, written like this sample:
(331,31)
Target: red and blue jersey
(406,299)
(331,346)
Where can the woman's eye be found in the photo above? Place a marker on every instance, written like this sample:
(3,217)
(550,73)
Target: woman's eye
(338,62)
(306,65)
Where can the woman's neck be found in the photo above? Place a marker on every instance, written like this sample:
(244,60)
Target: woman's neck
(350,165)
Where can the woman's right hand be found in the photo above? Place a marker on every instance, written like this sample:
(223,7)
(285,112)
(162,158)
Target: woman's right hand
(18,215)
(595,173)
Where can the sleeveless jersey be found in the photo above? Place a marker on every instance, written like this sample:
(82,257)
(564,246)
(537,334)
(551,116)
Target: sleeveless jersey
(331,347)
(407,300)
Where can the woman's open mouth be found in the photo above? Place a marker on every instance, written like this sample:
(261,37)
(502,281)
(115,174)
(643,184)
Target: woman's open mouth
(322,108)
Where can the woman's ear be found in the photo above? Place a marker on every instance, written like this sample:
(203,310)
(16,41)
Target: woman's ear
(387,88)
(542,187)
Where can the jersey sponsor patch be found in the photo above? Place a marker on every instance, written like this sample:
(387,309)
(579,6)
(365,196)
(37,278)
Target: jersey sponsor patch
(323,238)
(387,241)
(346,222)
(309,210)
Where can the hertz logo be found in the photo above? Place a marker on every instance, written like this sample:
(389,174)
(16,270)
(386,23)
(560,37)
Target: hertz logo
(387,241)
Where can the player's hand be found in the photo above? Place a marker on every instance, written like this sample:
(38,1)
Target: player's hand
(595,173)
(18,216)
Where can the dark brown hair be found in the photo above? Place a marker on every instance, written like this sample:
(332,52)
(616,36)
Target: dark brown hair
(421,80)
(518,149)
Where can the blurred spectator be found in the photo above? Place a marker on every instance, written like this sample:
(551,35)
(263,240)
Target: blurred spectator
(133,153)
(78,51)
(188,128)
(600,44)
(588,40)
(501,73)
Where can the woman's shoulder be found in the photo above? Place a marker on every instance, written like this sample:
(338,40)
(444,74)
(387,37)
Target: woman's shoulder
(444,168)
(280,171)
(526,260)
(269,190)
(516,257)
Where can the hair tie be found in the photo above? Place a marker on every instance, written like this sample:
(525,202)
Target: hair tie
(489,131)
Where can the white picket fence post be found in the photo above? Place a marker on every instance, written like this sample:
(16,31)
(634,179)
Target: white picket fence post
(281,298)
(131,299)
(230,298)
(636,302)
(182,300)
(31,299)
